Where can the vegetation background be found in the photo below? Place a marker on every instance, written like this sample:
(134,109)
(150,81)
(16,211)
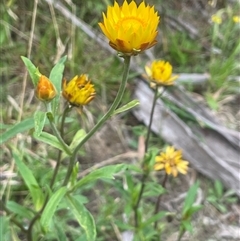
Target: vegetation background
(188,39)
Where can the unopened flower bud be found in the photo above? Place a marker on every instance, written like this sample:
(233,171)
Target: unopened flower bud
(45,90)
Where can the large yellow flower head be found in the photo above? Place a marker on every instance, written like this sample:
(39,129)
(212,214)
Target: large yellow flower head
(171,161)
(160,72)
(79,91)
(130,29)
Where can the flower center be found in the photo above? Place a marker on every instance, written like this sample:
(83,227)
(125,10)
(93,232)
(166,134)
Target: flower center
(171,161)
(130,23)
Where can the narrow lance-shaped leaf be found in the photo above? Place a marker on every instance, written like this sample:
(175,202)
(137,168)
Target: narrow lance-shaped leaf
(20,127)
(32,70)
(83,217)
(39,121)
(126,107)
(56,76)
(104,172)
(30,181)
(19,210)
(190,198)
(51,207)
(51,140)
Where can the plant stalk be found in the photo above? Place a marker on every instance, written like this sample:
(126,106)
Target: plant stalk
(55,130)
(159,198)
(145,175)
(102,120)
(151,118)
(66,110)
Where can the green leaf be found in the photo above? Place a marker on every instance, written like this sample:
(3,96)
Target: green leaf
(56,76)
(19,209)
(32,70)
(194,209)
(187,226)
(190,198)
(83,217)
(221,207)
(30,181)
(5,232)
(212,199)
(218,187)
(126,107)
(60,231)
(39,121)
(17,128)
(153,219)
(212,102)
(51,207)
(130,183)
(153,189)
(104,172)
(77,138)
(73,177)
(49,139)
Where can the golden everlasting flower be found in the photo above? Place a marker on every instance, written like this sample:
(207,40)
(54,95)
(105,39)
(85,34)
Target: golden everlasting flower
(45,90)
(216,19)
(160,72)
(130,29)
(79,91)
(236,19)
(171,161)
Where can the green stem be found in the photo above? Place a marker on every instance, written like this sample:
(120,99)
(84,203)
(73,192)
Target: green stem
(135,208)
(35,218)
(55,130)
(159,199)
(182,231)
(66,110)
(103,119)
(151,118)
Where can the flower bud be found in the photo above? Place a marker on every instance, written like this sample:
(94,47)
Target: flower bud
(160,73)
(45,90)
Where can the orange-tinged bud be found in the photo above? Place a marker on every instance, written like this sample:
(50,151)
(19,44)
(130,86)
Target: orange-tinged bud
(45,90)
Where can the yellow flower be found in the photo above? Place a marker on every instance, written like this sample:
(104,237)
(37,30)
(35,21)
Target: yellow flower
(216,19)
(160,72)
(79,91)
(45,90)
(171,161)
(236,19)
(130,29)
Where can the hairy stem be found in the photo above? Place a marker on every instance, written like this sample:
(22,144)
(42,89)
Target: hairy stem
(55,130)
(66,110)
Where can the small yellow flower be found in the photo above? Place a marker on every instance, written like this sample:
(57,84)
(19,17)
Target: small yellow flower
(216,19)
(45,90)
(79,91)
(130,29)
(236,19)
(171,161)
(160,72)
